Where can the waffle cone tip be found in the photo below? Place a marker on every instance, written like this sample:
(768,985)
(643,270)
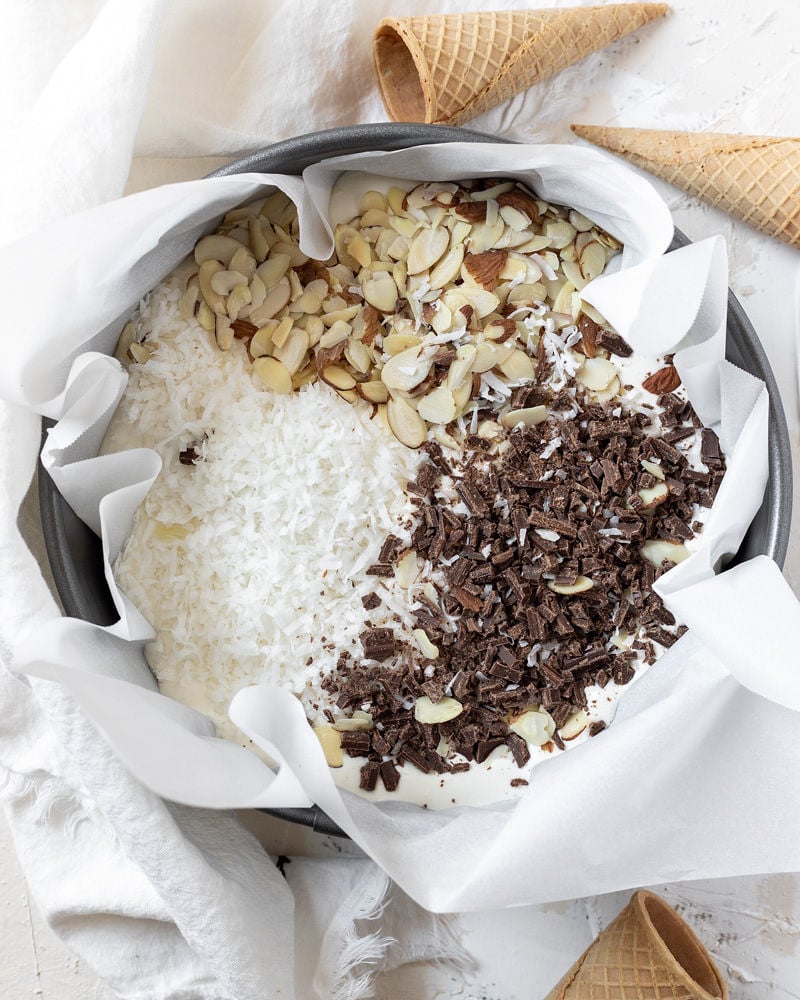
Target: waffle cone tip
(449,68)
(649,952)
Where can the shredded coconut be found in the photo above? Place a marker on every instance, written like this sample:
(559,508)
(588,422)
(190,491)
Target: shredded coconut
(311,489)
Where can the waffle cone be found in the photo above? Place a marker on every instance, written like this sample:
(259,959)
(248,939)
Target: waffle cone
(449,68)
(754,178)
(647,953)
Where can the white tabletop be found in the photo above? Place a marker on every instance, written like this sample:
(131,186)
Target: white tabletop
(715,65)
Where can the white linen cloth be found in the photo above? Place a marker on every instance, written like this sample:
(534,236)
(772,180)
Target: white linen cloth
(127,880)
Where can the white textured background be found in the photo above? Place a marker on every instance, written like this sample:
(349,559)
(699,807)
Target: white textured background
(720,65)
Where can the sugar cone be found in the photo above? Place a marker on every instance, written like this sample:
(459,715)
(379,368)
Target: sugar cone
(755,178)
(449,68)
(647,953)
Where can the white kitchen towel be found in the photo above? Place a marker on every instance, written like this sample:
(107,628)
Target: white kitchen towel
(169,903)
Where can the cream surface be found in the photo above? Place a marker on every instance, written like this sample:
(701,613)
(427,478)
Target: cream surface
(185,376)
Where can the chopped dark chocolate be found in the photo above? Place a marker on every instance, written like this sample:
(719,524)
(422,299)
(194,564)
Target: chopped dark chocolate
(369,776)
(505,640)
(390,776)
(378,643)
(614,342)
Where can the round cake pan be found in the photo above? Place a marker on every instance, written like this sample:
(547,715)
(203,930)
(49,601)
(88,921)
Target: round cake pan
(75,552)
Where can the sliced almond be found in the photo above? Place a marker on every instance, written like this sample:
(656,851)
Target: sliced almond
(404,227)
(273,374)
(258,292)
(223,333)
(426,249)
(536,727)
(653,469)
(331,742)
(258,242)
(372,199)
(217,247)
(126,338)
(335,334)
(280,333)
(358,722)
(380,291)
(461,369)
(343,235)
(484,268)
(261,344)
(659,552)
(273,269)
(205,316)
(574,726)
(395,343)
(426,647)
(431,713)
(560,234)
(514,218)
(311,298)
(374,392)
(293,351)
(406,424)
(581,585)
(359,249)
(608,393)
(214,300)
(438,407)
(592,261)
(489,355)
(654,496)
(489,430)
(359,356)
(596,373)
(314,327)
(139,353)
(395,196)
(237,300)
(664,380)
(528,416)
(405,371)
(407,570)
(276,298)
(518,366)
(448,268)
(188,301)
(296,256)
(341,315)
(442,319)
(338,377)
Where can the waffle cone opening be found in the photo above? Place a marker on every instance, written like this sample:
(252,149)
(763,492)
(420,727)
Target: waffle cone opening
(683,946)
(398,77)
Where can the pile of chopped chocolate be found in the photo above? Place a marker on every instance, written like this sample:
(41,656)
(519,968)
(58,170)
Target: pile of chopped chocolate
(540,566)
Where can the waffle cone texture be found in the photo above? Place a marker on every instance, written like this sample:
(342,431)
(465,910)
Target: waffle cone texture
(446,69)
(647,953)
(754,178)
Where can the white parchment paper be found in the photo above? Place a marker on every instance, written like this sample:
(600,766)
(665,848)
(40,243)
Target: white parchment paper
(651,798)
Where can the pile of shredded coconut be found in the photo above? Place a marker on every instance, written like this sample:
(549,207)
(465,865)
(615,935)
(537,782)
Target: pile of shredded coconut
(262,580)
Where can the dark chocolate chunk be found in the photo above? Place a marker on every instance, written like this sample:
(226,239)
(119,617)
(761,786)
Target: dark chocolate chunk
(519,749)
(615,343)
(413,756)
(379,643)
(390,776)
(356,744)
(369,776)
(380,569)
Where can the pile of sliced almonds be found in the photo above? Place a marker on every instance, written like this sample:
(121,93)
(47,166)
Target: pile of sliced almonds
(420,300)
